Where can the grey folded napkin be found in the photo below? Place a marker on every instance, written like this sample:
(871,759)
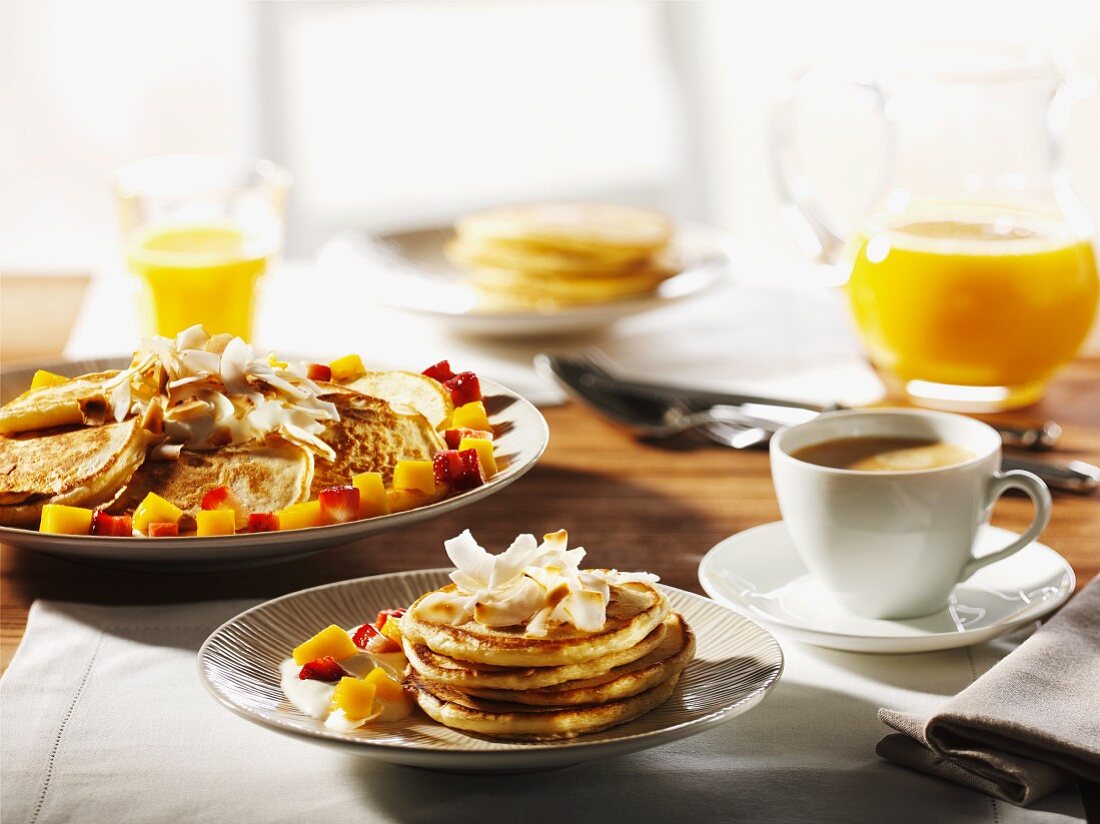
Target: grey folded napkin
(1026,727)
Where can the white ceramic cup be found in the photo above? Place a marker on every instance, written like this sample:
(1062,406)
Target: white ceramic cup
(894,544)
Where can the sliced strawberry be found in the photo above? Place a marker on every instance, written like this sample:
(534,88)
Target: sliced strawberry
(386,614)
(445,465)
(263,522)
(164,530)
(440,371)
(470,474)
(116,525)
(222,497)
(454,437)
(465,388)
(339,504)
(323,669)
(319,372)
(369,638)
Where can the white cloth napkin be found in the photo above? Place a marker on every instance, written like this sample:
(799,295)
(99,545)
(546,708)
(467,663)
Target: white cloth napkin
(778,330)
(104,719)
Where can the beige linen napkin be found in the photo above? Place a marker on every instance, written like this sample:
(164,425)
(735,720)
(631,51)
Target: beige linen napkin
(1026,727)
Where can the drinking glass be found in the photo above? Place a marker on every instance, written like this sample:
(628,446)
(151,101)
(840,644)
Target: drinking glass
(199,233)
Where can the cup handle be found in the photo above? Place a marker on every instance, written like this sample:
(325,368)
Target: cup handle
(1040,497)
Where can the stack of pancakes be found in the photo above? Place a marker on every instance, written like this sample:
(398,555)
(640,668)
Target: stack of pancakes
(546,255)
(503,683)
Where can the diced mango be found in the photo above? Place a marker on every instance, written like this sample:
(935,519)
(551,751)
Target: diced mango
(42,378)
(386,688)
(347,368)
(355,697)
(416,475)
(155,510)
(471,416)
(216,522)
(300,516)
(331,641)
(372,494)
(402,500)
(65,520)
(391,628)
(485,457)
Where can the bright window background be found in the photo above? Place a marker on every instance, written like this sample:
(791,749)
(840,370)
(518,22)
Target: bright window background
(400,112)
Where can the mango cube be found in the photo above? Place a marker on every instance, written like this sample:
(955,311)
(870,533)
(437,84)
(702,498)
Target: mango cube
(216,522)
(402,500)
(155,510)
(385,688)
(300,516)
(415,475)
(391,629)
(355,697)
(347,368)
(65,520)
(484,448)
(372,494)
(42,378)
(471,416)
(331,641)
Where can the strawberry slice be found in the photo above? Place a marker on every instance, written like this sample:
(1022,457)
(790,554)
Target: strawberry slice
(386,614)
(263,522)
(465,388)
(454,437)
(319,372)
(458,470)
(222,497)
(369,638)
(164,530)
(339,504)
(440,371)
(323,669)
(117,525)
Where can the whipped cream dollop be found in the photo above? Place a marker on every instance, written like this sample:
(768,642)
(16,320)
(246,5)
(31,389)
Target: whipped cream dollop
(538,585)
(207,391)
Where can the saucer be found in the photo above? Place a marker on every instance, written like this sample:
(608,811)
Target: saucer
(759,573)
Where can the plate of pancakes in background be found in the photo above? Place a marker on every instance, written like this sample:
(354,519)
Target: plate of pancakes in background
(538,268)
(107,466)
(665,665)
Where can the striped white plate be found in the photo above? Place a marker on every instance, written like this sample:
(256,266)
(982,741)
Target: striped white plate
(736,663)
(521,438)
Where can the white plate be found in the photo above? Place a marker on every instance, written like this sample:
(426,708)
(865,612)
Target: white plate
(521,438)
(759,573)
(408,271)
(736,663)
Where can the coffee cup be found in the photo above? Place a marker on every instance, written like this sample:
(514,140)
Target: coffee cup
(893,544)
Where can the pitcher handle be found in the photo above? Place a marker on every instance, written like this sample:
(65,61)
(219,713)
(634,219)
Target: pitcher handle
(815,233)
(1040,497)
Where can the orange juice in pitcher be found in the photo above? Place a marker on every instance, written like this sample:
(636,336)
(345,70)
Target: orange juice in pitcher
(973,276)
(973,296)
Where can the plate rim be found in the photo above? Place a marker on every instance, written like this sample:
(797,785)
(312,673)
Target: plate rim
(369,747)
(84,547)
(971,636)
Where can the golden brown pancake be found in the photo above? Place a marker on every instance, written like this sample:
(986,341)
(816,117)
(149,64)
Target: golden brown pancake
(634,610)
(526,723)
(408,390)
(266,477)
(78,466)
(371,437)
(81,400)
(468,676)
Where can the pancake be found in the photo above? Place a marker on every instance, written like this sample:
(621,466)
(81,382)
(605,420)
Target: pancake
(266,477)
(669,658)
(408,391)
(633,611)
(371,437)
(525,286)
(540,260)
(78,466)
(81,400)
(593,228)
(526,723)
(469,676)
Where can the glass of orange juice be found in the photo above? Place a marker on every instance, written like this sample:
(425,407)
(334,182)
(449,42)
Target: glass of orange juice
(199,232)
(972,278)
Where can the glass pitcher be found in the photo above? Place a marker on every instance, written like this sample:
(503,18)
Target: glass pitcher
(973,277)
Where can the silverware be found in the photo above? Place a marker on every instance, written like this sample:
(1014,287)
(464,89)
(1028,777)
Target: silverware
(656,412)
